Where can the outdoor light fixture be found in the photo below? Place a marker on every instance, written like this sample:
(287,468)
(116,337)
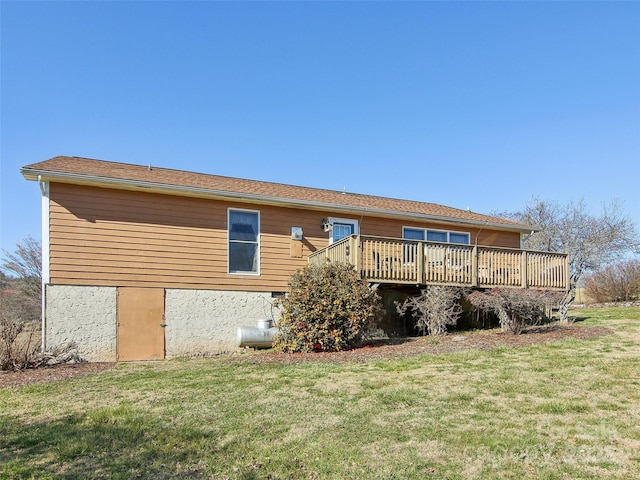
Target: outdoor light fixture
(296,233)
(326,225)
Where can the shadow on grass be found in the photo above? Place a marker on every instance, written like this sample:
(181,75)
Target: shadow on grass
(579,319)
(380,342)
(111,443)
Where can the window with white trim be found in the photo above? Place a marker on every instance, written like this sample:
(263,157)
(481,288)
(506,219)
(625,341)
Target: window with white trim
(431,235)
(244,241)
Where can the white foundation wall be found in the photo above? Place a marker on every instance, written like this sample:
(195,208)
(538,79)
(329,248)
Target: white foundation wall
(202,322)
(85,316)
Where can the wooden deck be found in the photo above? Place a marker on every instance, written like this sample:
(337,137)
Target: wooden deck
(402,261)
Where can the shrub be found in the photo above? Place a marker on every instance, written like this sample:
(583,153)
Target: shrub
(15,350)
(434,309)
(328,308)
(515,308)
(616,283)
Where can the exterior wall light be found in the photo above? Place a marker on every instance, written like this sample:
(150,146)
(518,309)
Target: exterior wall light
(296,233)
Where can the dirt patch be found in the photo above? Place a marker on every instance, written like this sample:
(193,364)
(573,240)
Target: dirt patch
(394,348)
(51,374)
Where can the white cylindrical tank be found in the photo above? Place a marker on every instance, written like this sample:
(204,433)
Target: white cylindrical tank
(257,337)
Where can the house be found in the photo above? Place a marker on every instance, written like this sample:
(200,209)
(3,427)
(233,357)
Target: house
(142,262)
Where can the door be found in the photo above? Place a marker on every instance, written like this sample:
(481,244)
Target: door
(341,228)
(140,323)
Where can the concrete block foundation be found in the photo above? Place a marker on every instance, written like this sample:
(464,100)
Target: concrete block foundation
(204,322)
(85,316)
(198,322)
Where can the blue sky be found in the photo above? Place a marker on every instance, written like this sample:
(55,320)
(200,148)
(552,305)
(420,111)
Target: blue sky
(468,104)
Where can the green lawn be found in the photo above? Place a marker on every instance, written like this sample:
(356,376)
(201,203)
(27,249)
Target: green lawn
(567,410)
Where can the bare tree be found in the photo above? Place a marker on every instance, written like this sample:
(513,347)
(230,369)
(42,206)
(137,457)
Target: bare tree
(25,263)
(591,241)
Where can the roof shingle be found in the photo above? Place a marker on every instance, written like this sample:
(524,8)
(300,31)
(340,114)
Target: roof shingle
(78,167)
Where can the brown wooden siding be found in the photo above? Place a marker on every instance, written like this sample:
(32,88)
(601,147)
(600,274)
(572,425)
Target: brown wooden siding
(111,237)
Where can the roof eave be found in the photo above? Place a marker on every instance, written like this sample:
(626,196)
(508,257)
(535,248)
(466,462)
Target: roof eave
(45,175)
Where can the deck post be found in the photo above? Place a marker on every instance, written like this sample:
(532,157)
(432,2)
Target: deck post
(523,270)
(420,278)
(357,252)
(474,266)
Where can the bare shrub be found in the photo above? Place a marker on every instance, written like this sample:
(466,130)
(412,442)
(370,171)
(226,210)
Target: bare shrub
(434,309)
(58,354)
(515,308)
(16,350)
(616,283)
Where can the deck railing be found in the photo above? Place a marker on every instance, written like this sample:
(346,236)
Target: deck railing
(394,260)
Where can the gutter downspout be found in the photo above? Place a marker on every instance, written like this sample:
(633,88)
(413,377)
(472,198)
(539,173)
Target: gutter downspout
(44,190)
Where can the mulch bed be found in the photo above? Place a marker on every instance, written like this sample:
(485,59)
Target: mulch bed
(393,348)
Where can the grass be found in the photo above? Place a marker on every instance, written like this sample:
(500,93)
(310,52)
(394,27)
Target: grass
(567,410)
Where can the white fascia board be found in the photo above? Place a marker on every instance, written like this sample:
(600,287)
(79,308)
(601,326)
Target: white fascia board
(30,174)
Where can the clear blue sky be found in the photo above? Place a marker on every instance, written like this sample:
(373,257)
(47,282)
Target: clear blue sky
(480,104)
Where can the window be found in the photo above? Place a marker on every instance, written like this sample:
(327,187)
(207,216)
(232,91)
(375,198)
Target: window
(409,249)
(443,236)
(437,236)
(342,227)
(244,235)
(457,237)
(413,233)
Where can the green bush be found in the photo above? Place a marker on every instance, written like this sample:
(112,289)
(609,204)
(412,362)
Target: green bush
(328,309)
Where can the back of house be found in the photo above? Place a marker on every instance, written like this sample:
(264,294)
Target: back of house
(142,262)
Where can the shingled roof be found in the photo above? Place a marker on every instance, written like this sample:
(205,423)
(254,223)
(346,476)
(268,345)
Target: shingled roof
(121,175)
